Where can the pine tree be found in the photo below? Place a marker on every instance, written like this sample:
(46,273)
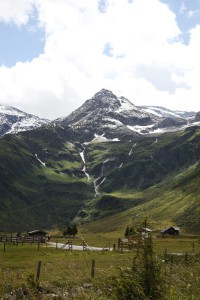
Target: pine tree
(127,232)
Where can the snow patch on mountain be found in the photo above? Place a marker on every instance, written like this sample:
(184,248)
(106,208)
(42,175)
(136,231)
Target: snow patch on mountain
(112,122)
(9,110)
(28,123)
(125,105)
(163,112)
(152,111)
(101,138)
(141,129)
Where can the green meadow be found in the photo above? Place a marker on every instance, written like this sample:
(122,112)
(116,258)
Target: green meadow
(66,274)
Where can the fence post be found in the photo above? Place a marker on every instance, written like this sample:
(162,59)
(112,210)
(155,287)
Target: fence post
(119,243)
(165,254)
(38,271)
(186,258)
(70,245)
(171,261)
(193,246)
(92,270)
(84,246)
(4,247)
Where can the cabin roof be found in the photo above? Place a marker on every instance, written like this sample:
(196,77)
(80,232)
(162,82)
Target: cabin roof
(37,231)
(167,228)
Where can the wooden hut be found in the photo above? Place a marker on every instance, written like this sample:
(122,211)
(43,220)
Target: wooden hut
(171,230)
(38,235)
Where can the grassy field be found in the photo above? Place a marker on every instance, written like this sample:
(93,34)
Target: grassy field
(67,274)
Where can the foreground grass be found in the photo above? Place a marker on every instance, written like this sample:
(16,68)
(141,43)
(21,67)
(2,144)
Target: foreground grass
(67,274)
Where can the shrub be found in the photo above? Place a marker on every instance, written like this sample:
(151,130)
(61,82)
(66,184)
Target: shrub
(143,280)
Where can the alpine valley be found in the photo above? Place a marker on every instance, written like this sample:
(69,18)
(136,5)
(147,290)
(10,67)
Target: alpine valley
(108,162)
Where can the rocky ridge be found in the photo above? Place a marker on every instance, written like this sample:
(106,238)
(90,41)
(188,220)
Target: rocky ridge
(106,117)
(13,120)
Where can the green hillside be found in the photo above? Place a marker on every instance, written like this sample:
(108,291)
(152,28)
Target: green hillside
(175,201)
(43,185)
(33,195)
(159,181)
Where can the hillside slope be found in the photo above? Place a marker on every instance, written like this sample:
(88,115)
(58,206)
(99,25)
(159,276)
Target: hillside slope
(47,179)
(36,191)
(175,201)
(154,178)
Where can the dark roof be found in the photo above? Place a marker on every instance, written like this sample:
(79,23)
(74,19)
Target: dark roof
(167,228)
(37,231)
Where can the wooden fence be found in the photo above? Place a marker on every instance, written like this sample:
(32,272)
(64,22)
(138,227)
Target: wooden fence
(16,239)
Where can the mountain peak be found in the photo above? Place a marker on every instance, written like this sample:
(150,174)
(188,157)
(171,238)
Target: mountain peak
(104,93)
(111,117)
(106,115)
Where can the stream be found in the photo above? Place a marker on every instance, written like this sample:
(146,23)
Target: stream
(84,165)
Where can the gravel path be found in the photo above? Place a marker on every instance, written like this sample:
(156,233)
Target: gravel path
(75,247)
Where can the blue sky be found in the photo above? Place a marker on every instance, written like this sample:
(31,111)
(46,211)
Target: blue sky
(57,54)
(20,43)
(187,14)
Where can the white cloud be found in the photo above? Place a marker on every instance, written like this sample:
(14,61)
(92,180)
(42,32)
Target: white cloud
(15,11)
(146,61)
(193,13)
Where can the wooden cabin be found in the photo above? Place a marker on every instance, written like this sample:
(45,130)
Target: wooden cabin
(38,235)
(171,230)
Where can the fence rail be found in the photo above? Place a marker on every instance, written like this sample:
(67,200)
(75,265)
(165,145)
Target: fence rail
(15,239)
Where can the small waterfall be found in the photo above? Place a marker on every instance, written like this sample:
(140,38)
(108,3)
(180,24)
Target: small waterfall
(40,161)
(84,166)
(131,151)
(97,186)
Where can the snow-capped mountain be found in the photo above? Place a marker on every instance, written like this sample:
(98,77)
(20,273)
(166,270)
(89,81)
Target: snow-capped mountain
(13,120)
(108,117)
(104,117)
(167,113)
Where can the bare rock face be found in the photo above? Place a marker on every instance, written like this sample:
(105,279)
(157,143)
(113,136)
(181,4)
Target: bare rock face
(171,122)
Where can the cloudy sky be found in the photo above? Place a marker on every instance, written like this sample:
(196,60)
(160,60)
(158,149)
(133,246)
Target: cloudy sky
(55,54)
